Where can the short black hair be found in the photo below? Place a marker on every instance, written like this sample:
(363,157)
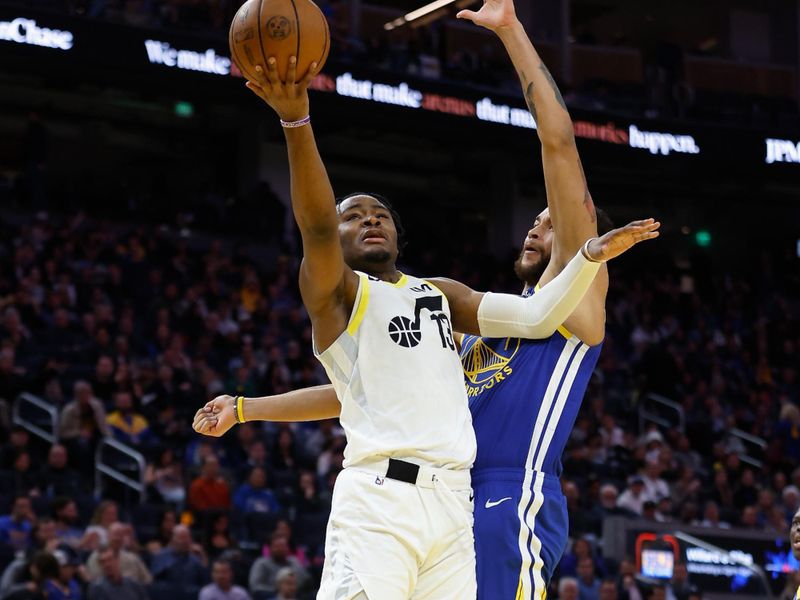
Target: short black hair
(398,222)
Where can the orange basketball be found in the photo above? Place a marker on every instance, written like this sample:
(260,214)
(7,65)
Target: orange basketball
(279,28)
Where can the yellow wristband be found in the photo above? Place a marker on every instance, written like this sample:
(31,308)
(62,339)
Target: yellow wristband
(240,409)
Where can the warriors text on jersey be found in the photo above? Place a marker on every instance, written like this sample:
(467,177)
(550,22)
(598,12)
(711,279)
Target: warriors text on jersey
(397,373)
(524,396)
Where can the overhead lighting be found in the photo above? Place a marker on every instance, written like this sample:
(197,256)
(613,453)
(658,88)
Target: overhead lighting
(420,12)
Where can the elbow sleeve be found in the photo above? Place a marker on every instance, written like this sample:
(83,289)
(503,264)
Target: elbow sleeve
(539,315)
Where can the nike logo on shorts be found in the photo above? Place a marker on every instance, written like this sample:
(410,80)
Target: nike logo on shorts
(490,504)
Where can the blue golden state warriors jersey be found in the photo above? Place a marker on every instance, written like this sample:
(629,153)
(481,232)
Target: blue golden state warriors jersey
(524,396)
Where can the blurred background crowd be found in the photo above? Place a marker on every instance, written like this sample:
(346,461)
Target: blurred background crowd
(128,333)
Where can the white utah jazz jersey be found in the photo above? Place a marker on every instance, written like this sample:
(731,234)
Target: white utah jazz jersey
(398,376)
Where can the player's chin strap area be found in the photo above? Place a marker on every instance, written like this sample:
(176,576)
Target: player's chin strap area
(539,315)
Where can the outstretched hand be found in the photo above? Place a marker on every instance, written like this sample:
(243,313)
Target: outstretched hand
(617,241)
(287,98)
(216,417)
(493,15)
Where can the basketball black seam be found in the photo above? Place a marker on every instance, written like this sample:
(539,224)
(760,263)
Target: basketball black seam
(236,58)
(325,46)
(297,21)
(260,42)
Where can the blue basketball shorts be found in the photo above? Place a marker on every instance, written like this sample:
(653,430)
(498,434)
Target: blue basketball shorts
(521,529)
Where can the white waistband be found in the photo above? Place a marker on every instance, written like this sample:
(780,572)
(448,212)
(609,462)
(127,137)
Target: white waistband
(426,477)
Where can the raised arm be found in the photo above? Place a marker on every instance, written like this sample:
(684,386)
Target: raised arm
(309,404)
(571,208)
(327,285)
(539,315)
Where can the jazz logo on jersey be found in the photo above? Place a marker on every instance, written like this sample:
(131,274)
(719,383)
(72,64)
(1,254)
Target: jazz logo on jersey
(485,367)
(408,334)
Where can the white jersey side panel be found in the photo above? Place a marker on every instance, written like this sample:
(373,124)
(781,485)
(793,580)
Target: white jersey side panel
(398,376)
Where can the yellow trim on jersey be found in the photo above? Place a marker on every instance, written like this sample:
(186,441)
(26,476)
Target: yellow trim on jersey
(561,329)
(363,300)
(519,589)
(400,282)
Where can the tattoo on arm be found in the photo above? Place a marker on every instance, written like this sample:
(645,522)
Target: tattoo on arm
(553,85)
(587,197)
(529,101)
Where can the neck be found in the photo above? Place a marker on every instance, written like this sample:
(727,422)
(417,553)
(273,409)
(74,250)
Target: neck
(389,274)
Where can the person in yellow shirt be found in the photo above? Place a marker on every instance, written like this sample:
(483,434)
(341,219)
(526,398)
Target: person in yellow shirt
(126,425)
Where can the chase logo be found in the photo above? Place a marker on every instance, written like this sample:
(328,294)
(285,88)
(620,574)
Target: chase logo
(485,366)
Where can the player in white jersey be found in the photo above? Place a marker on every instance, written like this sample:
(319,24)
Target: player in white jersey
(401,519)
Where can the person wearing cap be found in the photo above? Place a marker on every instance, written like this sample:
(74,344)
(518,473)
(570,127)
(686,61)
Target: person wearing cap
(633,498)
(65,586)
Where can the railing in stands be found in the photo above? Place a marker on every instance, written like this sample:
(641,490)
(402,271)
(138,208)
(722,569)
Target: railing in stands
(108,469)
(749,443)
(19,416)
(655,409)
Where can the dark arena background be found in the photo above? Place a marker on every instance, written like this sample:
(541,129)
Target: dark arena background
(148,262)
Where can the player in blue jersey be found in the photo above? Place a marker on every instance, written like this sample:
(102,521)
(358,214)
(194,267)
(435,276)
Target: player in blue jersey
(525,394)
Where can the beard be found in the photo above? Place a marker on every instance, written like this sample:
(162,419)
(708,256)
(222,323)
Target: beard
(530,274)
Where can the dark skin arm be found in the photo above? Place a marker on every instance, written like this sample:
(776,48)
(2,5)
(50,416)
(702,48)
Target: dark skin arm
(464,301)
(327,285)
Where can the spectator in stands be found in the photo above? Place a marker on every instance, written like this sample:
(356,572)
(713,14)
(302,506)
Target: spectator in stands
(749,518)
(113,585)
(568,589)
(308,498)
(15,528)
(256,457)
(104,516)
(182,563)
(286,582)
(254,496)
(66,585)
(65,514)
(166,525)
(18,440)
(608,590)
(209,491)
(746,493)
(655,488)
(588,583)
(285,456)
(125,424)
(678,588)
(581,548)
(632,499)
(264,571)
(711,517)
(218,539)
(83,420)
(12,376)
(25,479)
(103,383)
(43,569)
(56,478)
(130,565)
(166,477)
(222,587)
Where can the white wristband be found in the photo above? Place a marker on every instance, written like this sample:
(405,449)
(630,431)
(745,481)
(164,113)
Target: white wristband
(299,123)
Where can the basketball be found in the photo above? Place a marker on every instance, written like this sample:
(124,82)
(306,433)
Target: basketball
(279,28)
